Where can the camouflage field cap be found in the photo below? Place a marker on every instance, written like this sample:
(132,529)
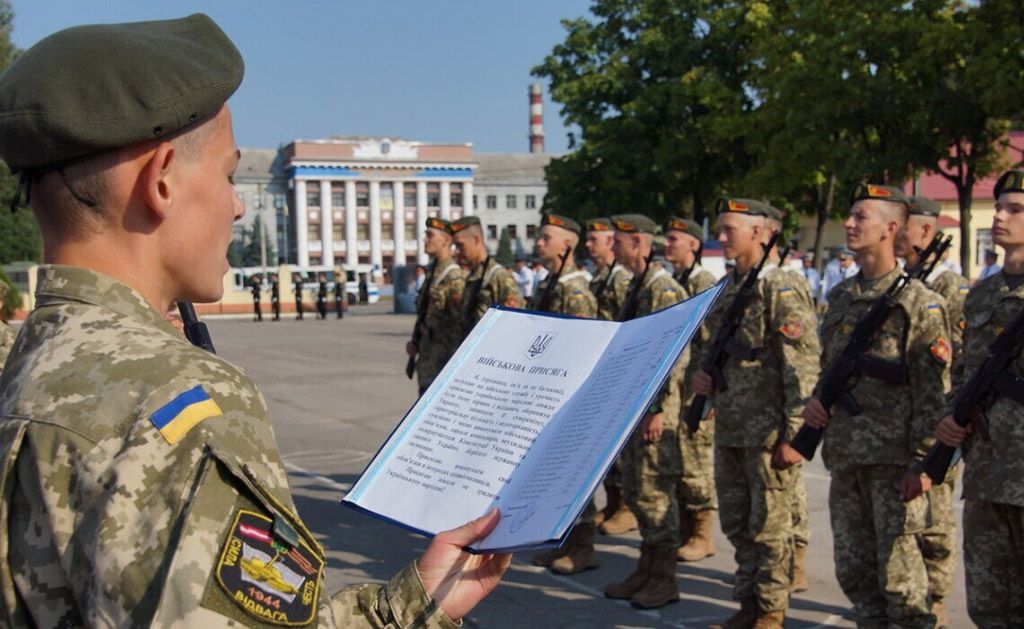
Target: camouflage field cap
(460,224)
(437,223)
(923,206)
(863,191)
(1010,181)
(102,86)
(561,221)
(745,206)
(634,223)
(677,223)
(600,225)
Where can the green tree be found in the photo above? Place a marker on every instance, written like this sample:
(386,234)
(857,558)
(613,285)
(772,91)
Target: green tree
(13,299)
(504,254)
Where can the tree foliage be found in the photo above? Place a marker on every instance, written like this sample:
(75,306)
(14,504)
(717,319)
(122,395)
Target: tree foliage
(504,254)
(246,250)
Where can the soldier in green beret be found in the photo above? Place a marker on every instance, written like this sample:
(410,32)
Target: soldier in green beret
(488,282)
(141,482)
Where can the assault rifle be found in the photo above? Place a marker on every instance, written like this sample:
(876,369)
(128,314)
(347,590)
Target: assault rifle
(421,319)
(195,330)
(724,343)
(985,385)
(544,303)
(632,302)
(929,257)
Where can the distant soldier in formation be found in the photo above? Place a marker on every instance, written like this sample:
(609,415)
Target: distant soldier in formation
(901,392)
(321,296)
(651,467)
(770,373)
(697,499)
(6,332)
(993,514)
(297,287)
(938,541)
(275,296)
(488,282)
(438,305)
(257,295)
(566,290)
(339,291)
(609,285)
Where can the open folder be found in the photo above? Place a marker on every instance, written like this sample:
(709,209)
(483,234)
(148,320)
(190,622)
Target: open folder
(528,416)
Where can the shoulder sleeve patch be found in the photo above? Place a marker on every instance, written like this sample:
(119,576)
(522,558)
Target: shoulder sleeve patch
(941,350)
(792,329)
(786,291)
(181,414)
(964,289)
(934,309)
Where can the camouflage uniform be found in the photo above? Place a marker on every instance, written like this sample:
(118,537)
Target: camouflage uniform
(760,407)
(994,472)
(938,541)
(489,283)
(571,295)
(109,521)
(6,342)
(610,286)
(440,333)
(869,453)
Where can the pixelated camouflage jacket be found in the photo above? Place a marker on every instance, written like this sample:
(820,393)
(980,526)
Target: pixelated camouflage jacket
(571,295)
(896,422)
(659,291)
(441,330)
(610,286)
(489,283)
(109,521)
(698,281)
(954,287)
(994,467)
(768,387)
(6,343)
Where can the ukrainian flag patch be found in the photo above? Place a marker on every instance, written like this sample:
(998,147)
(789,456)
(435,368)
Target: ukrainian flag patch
(181,414)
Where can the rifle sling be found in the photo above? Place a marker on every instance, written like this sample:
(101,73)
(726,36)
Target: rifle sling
(889,371)
(1009,386)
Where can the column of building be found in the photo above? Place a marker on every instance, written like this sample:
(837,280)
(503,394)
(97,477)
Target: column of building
(421,221)
(467,198)
(301,223)
(326,218)
(398,190)
(376,256)
(446,200)
(351,243)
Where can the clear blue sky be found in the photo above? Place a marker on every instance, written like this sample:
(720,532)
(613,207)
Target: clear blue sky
(430,70)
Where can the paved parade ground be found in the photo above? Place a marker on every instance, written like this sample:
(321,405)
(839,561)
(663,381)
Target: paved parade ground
(337,388)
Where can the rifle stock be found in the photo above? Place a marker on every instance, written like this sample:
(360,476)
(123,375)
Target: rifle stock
(632,303)
(544,303)
(195,330)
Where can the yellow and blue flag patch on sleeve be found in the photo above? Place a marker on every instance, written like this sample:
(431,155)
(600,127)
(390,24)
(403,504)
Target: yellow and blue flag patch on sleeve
(181,414)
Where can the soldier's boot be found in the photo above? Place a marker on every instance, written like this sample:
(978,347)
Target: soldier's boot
(635,581)
(580,554)
(622,521)
(685,528)
(770,620)
(799,581)
(661,588)
(548,557)
(744,618)
(615,502)
(701,543)
(939,611)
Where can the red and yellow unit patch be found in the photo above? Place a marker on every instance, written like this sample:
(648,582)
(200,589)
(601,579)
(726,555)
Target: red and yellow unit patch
(941,350)
(436,223)
(551,219)
(454,228)
(599,226)
(792,329)
(877,192)
(624,226)
(272,576)
(735,206)
(181,414)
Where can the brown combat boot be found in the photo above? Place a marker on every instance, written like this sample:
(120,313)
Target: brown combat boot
(548,557)
(622,521)
(685,527)
(635,581)
(770,620)
(799,576)
(701,542)
(661,588)
(579,554)
(744,618)
(615,502)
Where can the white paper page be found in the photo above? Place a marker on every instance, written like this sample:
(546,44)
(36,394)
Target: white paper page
(571,457)
(447,461)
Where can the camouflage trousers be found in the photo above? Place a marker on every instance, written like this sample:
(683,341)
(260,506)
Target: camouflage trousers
(755,511)
(431,360)
(994,563)
(938,541)
(798,512)
(650,475)
(878,562)
(697,481)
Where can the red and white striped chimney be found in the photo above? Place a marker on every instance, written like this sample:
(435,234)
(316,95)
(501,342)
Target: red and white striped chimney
(536,119)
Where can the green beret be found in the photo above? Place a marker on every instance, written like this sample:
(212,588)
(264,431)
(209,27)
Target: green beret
(561,221)
(460,224)
(600,225)
(437,223)
(683,225)
(634,223)
(1010,181)
(881,193)
(923,206)
(102,86)
(746,206)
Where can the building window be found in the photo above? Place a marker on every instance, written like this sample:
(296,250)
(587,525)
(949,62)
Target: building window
(982,244)
(410,232)
(313,231)
(409,195)
(337,194)
(387,197)
(362,231)
(511,231)
(455,195)
(362,194)
(387,231)
(531,202)
(531,230)
(433,195)
(337,232)
(492,201)
(510,201)
(492,231)
(313,195)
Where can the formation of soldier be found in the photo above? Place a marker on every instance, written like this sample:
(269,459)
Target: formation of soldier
(257,286)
